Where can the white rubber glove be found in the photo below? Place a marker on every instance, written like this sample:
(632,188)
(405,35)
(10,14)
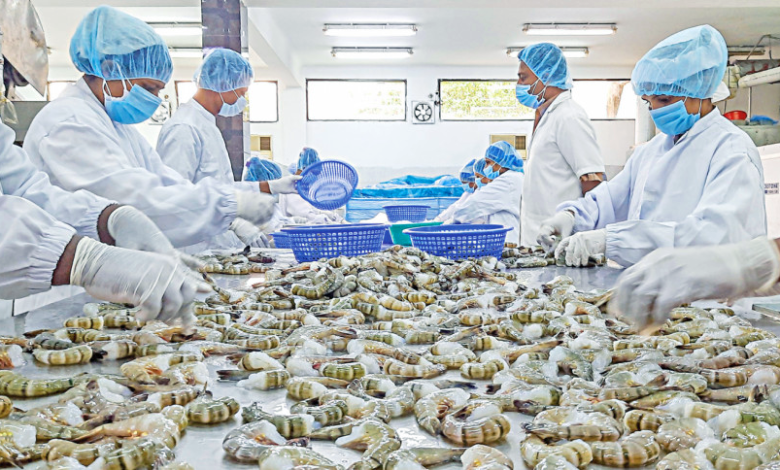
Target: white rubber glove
(284,185)
(668,277)
(158,284)
(320,219)
(132,229)
(249,234)
(257,208)
(581,246)
(561,224)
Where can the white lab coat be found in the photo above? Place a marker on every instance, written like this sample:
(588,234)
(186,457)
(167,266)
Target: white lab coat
(498,202)
(562,149)
(31,244)
(447,213)
(190,142)
(706,189)
(80,147)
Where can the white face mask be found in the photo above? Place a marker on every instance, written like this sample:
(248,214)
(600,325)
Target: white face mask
(234,109)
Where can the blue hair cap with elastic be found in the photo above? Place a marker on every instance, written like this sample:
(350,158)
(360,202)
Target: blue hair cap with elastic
(547,62)
(479,166)
(467,172)
(223,70)
(262,170)
(690,63)
(113,45)
(307,157)
(503,153)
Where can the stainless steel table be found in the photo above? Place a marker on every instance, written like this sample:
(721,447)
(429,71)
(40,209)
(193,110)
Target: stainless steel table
(201,445)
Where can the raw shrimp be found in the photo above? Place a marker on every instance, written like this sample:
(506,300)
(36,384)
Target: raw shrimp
(430,409)
(290,426)
(206,410)
(475,423)
(635,450)
(534,450)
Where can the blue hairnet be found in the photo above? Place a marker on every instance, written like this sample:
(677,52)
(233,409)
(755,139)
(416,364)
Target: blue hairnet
(467,173)
(113,45)
(503,153)
(262,170)
(292,167)
(547,62)
(689,63)
(479,166)
(223,70)
(307,157)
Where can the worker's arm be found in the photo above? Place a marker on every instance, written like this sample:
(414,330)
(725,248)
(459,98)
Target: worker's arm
(31,244)
(186,213)
(590,181)
(576,140)
(733,192)
(498,195)
(19,177)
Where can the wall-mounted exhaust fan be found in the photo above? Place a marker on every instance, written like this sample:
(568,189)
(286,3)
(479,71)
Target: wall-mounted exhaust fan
(422,112)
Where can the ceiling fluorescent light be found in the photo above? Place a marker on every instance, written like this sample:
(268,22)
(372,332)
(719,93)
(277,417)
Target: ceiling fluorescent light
(371,52)
(369,30)
(186,52)
(745,50)
(178,29)
(570,52)
(569,29)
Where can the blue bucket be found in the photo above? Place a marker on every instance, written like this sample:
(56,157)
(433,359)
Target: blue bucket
(310,243)
(460,241)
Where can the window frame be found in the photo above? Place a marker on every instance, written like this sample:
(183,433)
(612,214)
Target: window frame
(440,80)
(275,82)
(375,80)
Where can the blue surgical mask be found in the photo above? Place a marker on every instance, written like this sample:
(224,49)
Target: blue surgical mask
(134,106)
(527,99)
(234,109)
(674,119)
(479,182)
(491,175)
(467,187)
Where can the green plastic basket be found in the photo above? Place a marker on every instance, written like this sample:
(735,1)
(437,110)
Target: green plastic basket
(400,238)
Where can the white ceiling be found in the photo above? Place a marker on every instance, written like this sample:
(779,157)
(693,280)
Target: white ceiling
(451,32)
(471,36)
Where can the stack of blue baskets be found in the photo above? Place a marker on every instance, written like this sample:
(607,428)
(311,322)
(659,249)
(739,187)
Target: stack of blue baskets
(413,214)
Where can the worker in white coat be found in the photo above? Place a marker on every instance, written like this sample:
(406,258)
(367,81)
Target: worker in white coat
(499,201)
(293,205)
(85,139)
(191,143)
(467,181)
(50,237)
(564,160)
(265,170)
(699,182)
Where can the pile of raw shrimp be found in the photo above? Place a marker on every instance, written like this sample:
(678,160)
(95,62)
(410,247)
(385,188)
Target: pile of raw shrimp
(357,343)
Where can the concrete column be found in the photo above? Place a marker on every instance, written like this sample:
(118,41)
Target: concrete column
(225,25)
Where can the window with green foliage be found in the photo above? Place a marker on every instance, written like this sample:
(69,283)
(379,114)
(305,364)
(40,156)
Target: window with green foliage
(356,100)
(481,100)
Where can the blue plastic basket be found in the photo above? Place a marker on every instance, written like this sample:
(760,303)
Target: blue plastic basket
(411,214)
(460,241)
(282,240)
(328,185)
(310,243)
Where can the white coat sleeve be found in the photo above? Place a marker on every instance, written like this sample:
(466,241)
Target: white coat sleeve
(186,213)
(734,184)
(31,244)
(605,204)
(484,202)
(446,214)
(179,148)
(577,143)
(19,177)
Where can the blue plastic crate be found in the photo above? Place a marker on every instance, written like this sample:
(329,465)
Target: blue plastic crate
(460,241)
(328,185)
(282,240)
(310,243)
(410,213)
